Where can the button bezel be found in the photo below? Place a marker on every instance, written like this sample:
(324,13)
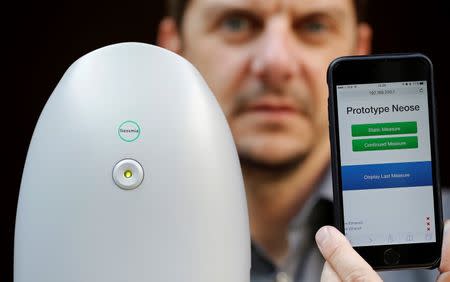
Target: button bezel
(128,183)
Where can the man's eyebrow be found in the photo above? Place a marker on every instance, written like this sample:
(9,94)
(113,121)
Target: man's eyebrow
(334,12)
(217,9)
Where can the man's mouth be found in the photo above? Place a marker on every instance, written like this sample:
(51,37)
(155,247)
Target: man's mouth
(271,106)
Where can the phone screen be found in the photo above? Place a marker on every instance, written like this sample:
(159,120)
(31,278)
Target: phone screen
(386,169)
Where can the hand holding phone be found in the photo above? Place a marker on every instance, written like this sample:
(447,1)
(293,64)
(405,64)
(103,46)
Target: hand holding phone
(344,264)
(384,159)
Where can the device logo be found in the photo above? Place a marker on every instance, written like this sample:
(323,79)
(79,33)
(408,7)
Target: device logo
(129,131)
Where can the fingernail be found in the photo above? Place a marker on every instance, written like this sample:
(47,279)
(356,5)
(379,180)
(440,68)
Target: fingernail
(322,235)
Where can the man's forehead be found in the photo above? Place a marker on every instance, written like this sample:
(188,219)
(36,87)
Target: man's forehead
(272,6)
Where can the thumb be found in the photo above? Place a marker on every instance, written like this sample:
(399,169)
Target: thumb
(328,274)
(340,255)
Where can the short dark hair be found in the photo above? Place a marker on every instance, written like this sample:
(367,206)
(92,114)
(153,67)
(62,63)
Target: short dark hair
(176,9)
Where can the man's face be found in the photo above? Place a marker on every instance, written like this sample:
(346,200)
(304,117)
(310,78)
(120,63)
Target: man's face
(266,62)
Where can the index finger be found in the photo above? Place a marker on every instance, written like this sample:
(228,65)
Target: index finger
(338,252)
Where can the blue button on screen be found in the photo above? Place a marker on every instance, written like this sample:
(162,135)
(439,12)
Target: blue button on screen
(380,176)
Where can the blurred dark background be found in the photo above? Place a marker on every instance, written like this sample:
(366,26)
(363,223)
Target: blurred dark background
(43,39)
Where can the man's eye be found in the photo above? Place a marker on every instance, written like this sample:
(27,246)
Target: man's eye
(236,24)
(314,26)
(239,27)
(314,30)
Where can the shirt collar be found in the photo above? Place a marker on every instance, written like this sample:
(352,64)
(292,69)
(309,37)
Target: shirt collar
(323,191)
(300,230)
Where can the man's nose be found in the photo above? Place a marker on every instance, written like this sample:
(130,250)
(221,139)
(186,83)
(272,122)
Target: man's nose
(274,59)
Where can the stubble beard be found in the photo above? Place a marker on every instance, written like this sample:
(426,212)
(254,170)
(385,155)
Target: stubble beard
(282,167)
(303,102)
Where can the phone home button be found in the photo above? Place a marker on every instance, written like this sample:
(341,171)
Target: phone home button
(391,257)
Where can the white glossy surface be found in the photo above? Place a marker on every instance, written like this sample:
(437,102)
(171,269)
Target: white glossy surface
(188,219)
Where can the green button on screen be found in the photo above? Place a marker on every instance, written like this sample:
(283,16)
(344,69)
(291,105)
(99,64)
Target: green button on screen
(375,144)
(391,128)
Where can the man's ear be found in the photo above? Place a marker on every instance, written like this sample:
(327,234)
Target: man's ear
(168,35)
(364,40)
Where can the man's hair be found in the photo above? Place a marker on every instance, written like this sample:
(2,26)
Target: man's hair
(176,9)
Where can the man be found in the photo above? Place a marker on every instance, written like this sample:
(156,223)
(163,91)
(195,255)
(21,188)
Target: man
(266,62)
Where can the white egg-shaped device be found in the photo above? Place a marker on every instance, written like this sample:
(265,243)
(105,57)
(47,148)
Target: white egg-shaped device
(132,175)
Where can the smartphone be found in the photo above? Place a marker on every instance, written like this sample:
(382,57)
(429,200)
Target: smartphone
(382,116)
